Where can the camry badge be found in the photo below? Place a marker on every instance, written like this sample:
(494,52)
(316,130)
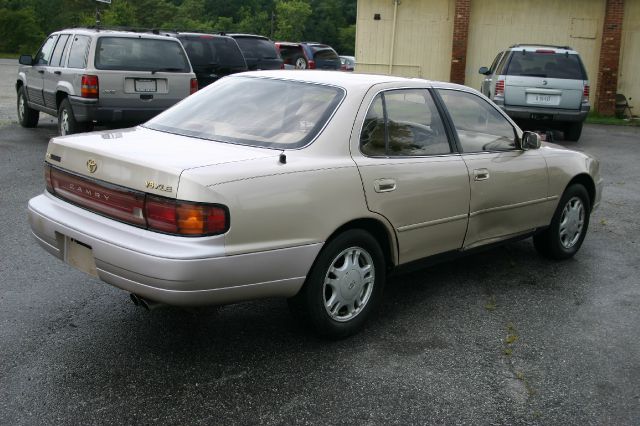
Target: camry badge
(92,166)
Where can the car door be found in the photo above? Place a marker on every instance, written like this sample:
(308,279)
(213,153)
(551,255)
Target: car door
(486,81)
(53,72)
(410,173)
(35,74)
(509,186)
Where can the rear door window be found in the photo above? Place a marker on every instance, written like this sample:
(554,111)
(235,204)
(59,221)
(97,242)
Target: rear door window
(78,52)
(56,58)
(140,54)
(546,65)
(325,54)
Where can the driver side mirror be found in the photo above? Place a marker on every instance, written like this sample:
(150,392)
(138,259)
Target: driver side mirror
(25,60)
(484,71)
(530,140)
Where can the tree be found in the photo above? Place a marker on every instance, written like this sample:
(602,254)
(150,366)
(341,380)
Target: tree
(23,38)
(291,18)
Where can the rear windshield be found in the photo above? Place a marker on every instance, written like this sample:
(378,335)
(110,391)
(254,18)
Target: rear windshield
(253,111)
(257,48)
(325,54)
(204,51)
(546,65)
(140,54)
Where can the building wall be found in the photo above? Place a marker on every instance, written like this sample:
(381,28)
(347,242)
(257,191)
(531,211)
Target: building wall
(422,47)
(628,80)
(576,23)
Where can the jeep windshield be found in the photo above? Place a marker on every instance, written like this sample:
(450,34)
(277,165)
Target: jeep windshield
(261,112)
(140,54)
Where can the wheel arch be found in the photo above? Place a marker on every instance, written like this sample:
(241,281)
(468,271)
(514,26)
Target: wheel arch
(60,96)
(587,182)
(380,231)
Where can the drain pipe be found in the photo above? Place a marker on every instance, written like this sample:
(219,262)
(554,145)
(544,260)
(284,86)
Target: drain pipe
(393,34)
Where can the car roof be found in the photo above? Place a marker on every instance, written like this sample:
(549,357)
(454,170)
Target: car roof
(192,34)
(112,32)
(343,79)
(234,35)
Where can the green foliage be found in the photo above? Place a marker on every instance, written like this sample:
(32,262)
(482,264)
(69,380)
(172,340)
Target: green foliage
(26,22)
(291,16)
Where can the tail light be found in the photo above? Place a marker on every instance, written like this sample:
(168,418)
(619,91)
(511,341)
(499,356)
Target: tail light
(282,65)
(185,218)
(89,87)
(499,90)
(193,86)
(312,64)
(136,208)
(546,51)
(585,94)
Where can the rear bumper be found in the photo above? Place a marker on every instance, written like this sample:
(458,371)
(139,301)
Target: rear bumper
(86,110)
(169,269)
(546,114)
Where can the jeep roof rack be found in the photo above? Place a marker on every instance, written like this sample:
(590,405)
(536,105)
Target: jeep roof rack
(540,45)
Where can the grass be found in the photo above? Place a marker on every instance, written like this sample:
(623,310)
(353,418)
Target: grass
(595,118)
(9,55)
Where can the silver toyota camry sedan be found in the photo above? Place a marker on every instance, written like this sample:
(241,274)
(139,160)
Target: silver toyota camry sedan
(305,185)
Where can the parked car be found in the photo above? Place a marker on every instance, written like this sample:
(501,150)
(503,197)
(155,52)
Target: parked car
(212,56)
(259,52)
(540,86)
(348,63)
(308,56)
(310,186)
(86,76)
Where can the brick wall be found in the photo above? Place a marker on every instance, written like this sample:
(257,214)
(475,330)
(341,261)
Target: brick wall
(609,57)
(459,45)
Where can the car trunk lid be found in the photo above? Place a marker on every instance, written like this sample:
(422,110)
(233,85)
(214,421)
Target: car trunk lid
(143,159)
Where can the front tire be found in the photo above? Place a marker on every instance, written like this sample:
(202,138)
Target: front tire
(28,117)
(563,238)
(344,285)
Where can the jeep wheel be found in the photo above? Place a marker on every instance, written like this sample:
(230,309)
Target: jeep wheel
(344,285)
(573,131)
(300,63)
(67,124)
(28,117)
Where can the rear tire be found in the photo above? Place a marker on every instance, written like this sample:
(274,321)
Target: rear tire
(67,123)
(563,238)
(300,62)
(343,287)
(28,117)
(573,131)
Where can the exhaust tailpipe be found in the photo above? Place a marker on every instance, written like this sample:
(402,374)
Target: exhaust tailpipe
(148,305)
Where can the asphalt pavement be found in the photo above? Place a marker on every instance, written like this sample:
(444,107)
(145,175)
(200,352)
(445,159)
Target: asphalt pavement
(500,337)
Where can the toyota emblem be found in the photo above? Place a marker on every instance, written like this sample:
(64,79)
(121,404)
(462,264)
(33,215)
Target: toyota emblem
(92,166)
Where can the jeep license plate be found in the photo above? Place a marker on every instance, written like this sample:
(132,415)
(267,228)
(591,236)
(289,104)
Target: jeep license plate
(145,85)
(80,256)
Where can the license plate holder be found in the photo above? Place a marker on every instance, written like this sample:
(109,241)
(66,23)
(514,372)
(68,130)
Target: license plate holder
(145,85)
(80,256)
(543,117)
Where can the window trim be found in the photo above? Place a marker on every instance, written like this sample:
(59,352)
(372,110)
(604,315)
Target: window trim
(517,136)
(55,37)
(453,144)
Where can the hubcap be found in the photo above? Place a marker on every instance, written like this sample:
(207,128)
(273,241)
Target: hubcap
(301,64)
(21,107)
(64,122)
(348,284)
(571,222)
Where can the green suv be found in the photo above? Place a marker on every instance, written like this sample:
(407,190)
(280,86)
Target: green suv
(540,87)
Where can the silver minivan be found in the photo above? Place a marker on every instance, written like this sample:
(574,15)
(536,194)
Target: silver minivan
(87,76)
(540,87)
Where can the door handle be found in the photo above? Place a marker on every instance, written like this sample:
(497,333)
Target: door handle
(384,185)
(480,174)
(57,72)
(40,71)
